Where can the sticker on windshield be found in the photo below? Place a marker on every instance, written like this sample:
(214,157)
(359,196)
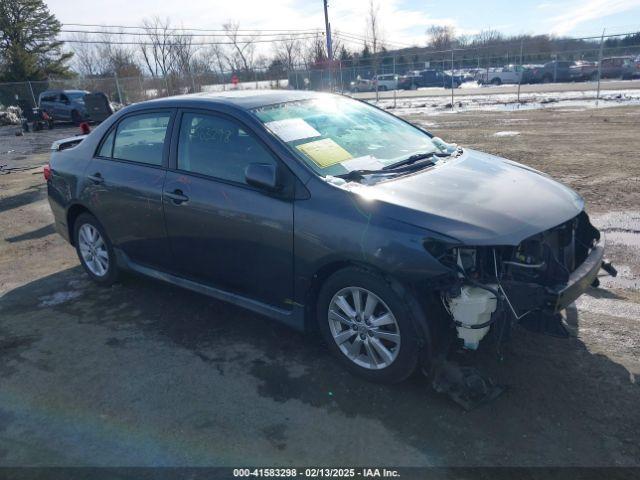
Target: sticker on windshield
(324,153)
(292,129)
(367,162)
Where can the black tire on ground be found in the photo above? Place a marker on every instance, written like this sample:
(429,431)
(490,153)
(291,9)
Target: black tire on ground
(407,358)
(111,276)
(547,79)
(496,81)
(76,118)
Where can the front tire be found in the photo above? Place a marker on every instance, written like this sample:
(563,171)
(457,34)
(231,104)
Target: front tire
(367,326)
(95,250)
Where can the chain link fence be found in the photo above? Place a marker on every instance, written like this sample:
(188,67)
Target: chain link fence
(516,63)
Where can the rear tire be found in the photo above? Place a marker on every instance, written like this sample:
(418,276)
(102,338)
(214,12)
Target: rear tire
(95,250)
(76,118)
(373,336)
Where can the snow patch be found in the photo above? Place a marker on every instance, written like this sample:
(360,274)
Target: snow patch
(58,298)
(506,133)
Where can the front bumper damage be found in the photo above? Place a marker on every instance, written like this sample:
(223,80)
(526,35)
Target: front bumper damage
(528,296)
(540,276)
(497,287)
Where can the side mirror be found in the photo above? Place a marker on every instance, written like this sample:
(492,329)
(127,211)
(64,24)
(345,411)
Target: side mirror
(262,175)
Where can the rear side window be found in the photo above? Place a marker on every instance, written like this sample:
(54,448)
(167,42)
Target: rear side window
(140,138)
(48,97)
(218,147)
(106,148)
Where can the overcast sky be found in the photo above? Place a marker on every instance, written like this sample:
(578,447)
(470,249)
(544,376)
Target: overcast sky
(402,21)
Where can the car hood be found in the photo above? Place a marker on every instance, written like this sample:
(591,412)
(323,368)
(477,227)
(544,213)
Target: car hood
(477,199)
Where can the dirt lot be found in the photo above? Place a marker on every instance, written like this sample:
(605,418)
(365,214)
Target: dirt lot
(147,374)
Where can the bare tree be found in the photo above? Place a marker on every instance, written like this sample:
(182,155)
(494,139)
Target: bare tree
(441,37)
(243,47)
(314,51)
(486,37)
(157,51)
(117,59)
(104,57)
(288,51)
(86,58)
(216,59)
(373,27)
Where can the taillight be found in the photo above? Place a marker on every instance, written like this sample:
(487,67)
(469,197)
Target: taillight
(85,128)
(47,172)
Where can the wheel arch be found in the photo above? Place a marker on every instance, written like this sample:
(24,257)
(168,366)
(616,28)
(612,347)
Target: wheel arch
(406,292)
(73,212)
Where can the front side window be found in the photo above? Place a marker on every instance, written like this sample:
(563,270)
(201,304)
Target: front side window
(218,147)
(335,135)
(140,138)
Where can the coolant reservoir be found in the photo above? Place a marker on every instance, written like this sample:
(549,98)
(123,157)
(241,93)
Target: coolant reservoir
(473,306)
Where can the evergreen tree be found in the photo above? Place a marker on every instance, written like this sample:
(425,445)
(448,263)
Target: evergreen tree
(29,48)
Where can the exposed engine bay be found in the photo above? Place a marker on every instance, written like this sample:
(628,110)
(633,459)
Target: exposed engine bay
(499,285)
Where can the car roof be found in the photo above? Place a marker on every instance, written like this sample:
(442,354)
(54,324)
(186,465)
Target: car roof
(242,99)
(57,90)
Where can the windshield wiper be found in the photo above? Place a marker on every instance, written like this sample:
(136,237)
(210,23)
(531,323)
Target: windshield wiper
(400,169)
(414,158)
(358,174)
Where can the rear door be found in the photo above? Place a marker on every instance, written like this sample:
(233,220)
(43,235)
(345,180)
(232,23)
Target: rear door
(125,180)
(223,232)
(61,109)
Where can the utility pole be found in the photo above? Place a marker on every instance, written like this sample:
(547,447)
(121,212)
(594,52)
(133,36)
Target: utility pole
(521,69)
(452,83)
(600,65)
(327,27)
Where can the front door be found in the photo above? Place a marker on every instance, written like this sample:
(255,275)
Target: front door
(222,232)
(125,181)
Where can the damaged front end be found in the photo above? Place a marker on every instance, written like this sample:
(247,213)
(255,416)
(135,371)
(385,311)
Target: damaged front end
(534,280)
(494,287)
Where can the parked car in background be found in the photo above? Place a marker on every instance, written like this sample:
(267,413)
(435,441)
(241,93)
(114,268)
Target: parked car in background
(582,70)
(386,81)
(554,71)
(467,75)
(498,76)
(428,78)
(392,244)
(625,67)
(64,105)
(361,85)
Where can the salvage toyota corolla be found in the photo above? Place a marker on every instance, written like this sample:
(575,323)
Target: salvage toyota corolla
(329,215)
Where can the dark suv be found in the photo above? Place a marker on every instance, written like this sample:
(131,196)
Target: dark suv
(428,78)
(64,105)
(327,214)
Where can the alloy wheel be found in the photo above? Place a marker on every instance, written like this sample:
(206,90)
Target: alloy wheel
(364,328)
(93,250)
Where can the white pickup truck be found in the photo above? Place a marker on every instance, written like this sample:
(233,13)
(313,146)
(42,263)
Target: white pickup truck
(498,76)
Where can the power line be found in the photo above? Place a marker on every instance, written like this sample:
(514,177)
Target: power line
(170,32)
(134,27)
(169,44)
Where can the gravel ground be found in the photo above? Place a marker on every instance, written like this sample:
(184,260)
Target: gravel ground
(144,373)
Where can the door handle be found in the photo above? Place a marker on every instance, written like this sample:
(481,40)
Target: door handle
(96,178)
(177,196)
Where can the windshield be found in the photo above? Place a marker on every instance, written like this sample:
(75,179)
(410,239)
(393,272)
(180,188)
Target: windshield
(335,135)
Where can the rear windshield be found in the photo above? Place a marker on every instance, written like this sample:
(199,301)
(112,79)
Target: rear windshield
(334,135)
